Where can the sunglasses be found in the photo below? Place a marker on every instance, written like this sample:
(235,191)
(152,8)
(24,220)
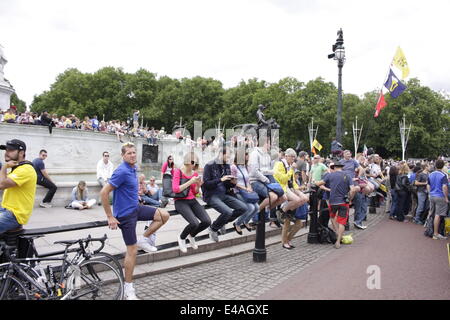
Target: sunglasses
(106,155)
(128,144)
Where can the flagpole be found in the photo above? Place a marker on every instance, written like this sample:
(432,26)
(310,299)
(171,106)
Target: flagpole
(356,137)
(404,135)
(312,133)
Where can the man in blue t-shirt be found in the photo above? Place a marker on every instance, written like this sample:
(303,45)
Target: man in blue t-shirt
(44,180)
(127,211)
(438,189)
(350,165)
(341,193)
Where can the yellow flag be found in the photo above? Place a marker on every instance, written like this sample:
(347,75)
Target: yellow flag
(317,145)
(400,62)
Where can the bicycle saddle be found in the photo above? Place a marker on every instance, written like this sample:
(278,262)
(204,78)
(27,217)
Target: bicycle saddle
(66,242)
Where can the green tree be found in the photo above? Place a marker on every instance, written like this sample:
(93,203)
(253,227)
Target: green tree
(20,104)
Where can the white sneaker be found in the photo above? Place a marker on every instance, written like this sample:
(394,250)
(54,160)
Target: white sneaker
(223,230)
(152,240)
(130,294)
(144,245)
(192,242)
(182,244)
(45,205)
(213,235)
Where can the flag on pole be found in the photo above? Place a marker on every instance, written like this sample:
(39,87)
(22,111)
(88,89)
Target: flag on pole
(394,85)
(380,104)
(317,145)
(400,62)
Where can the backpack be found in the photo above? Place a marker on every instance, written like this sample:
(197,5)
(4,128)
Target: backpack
(21,163)
(429,226)
(326,234)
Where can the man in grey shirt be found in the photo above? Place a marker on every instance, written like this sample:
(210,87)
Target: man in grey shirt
(303,167)
(135,121)
(423,204)
(261,174)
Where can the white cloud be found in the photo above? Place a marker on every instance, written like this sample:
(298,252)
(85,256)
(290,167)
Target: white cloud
(226,40)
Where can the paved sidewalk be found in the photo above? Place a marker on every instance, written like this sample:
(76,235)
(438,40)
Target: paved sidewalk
(238,277)
(410,265)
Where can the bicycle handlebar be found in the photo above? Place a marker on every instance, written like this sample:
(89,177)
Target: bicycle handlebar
(89,239)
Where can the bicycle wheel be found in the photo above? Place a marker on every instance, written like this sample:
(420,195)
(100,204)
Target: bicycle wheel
(31,289)
(97,280)
(110,259)
(12,288)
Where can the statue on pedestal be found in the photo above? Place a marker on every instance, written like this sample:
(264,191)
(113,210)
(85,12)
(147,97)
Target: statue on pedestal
(262,122)
(6,89)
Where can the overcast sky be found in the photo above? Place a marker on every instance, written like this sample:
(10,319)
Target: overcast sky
(226,40)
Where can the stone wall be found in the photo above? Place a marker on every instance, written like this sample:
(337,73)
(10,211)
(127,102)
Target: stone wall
(73,155)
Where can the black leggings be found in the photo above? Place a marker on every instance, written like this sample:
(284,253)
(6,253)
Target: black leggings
(192,211)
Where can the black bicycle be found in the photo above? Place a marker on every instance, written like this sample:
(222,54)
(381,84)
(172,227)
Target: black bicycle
(86,275)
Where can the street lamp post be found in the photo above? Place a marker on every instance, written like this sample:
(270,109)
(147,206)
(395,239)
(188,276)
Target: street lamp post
(313,234)
(260,253)
(339,55)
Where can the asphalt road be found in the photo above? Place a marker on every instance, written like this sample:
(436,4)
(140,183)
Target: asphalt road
(409,265)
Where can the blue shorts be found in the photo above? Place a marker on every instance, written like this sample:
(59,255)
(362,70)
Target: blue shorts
(8,220)
(128,223)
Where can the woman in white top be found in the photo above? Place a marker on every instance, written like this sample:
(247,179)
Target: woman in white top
(243,183)
(80,197)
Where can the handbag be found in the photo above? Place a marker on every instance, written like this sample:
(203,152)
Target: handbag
(167,187)
(249,197)
(275,187)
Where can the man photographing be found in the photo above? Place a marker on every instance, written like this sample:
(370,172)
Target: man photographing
(19,186)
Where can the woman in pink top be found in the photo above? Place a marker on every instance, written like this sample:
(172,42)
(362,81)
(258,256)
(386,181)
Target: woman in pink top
(191,210)
(167,167)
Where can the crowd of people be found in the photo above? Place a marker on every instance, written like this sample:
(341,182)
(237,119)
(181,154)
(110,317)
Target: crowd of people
(239,187)
(121,129)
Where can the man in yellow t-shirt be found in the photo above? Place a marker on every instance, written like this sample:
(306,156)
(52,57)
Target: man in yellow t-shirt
(9,116)
(19,186)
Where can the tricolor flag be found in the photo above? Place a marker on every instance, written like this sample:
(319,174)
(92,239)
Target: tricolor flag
(365,151)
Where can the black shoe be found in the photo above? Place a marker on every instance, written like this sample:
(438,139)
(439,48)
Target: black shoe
(288,248)
(277,223)
(248,228)
(235,229)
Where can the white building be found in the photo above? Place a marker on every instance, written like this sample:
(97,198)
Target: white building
(6,89)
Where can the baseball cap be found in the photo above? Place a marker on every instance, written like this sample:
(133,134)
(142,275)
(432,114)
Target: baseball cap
(14,144)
